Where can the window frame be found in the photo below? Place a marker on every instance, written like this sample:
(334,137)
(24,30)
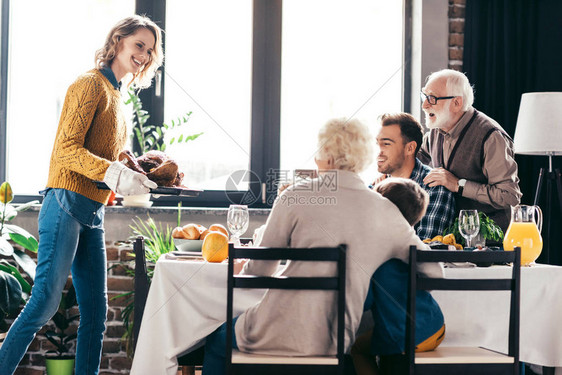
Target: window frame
(4,38)
(265,102)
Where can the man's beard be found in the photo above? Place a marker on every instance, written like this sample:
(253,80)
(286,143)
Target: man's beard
(442,119)
(390,168)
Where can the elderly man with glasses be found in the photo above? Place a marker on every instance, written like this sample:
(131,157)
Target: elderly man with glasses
(470,152)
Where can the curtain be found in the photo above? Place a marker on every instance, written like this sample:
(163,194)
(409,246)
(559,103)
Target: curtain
(512,47)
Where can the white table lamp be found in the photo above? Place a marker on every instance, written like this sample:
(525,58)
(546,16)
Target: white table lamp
(539,132)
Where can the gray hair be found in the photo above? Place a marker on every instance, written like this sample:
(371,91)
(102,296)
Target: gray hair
(348,142)
(457,84)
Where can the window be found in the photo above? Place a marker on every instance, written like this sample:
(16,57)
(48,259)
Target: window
(340,59)
(49,47)
(259,76)
(208,69)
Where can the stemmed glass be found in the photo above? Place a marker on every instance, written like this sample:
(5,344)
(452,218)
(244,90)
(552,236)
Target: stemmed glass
(469,224)
(238,219)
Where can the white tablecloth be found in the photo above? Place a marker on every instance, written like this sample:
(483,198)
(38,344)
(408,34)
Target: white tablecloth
(187,302)
(481,318)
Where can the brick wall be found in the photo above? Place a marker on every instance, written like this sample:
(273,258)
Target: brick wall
(456,33)
(114,357)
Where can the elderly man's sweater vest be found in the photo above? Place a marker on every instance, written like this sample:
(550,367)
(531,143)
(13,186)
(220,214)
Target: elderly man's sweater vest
(467,160)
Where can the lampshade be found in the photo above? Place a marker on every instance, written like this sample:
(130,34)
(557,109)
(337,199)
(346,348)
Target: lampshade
(539,124)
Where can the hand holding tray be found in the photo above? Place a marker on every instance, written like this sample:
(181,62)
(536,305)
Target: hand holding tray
(162,190)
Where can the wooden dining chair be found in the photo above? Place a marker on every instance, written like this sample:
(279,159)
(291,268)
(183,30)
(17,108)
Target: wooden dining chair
(238,362)
(463,360)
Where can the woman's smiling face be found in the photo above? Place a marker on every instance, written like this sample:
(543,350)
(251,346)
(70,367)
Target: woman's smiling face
(134,53)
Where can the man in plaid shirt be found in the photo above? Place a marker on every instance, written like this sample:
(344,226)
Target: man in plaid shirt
(399,140)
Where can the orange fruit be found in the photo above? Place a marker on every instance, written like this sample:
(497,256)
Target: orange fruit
(215,247)
(218,228)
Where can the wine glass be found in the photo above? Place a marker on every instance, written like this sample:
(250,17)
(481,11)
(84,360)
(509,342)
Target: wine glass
(238,219)
(469,224)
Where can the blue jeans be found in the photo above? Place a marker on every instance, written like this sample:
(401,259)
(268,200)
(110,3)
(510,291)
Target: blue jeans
(215,350)
(71,239)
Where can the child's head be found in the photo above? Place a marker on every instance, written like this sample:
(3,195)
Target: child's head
(407,195)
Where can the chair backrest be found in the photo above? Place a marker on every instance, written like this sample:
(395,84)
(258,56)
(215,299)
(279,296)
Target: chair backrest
(318,254)
(141,286)
(419,282)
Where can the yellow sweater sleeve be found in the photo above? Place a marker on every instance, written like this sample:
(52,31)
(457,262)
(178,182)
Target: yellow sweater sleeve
(79,109)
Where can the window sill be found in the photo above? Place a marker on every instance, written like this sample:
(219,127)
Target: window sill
(119,218)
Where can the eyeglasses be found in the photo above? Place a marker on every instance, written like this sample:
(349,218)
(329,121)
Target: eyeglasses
(433,99)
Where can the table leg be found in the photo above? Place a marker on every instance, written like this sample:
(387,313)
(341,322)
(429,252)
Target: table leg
(548,370)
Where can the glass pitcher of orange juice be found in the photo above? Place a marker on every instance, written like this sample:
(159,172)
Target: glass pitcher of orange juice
(523,231)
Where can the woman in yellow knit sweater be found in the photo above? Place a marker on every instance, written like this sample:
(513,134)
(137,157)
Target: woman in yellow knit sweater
(90,135)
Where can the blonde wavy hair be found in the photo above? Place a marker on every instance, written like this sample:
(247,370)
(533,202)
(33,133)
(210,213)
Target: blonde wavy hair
(124,28)
(348,143)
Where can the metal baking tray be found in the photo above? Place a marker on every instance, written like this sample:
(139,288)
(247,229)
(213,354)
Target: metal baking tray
(161,190)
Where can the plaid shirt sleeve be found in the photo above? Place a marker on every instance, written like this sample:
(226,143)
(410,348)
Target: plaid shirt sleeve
(440,212)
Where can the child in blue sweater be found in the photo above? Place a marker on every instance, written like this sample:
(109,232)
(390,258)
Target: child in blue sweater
(387,296)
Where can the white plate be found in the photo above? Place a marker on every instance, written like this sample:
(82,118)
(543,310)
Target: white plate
(187,253)
(188,245)
(137,204)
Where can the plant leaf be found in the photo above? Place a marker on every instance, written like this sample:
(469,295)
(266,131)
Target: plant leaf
(10,293)
(192,137)
(25,206)
(69,298)
(25,262)
(69,338)
(6,248)
(6,193)
(7,212)
(60,321)
(16,229)
(52,337)
(29,243)
(7,267)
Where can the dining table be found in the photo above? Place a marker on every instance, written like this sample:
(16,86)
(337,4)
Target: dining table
(187,302)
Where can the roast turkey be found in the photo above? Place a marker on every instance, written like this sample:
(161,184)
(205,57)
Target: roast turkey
(156,165)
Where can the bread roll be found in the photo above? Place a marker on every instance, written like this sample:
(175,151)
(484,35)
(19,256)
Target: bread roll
(191,231)
(177,232)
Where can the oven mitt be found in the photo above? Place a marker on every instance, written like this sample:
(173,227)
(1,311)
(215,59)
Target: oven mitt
(125,181)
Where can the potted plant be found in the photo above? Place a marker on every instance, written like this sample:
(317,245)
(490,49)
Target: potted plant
(148,137)
(61,361)
(15,287)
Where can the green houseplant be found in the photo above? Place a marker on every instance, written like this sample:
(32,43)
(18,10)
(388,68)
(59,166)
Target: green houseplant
(147,137)
(61,361)
(15,287)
